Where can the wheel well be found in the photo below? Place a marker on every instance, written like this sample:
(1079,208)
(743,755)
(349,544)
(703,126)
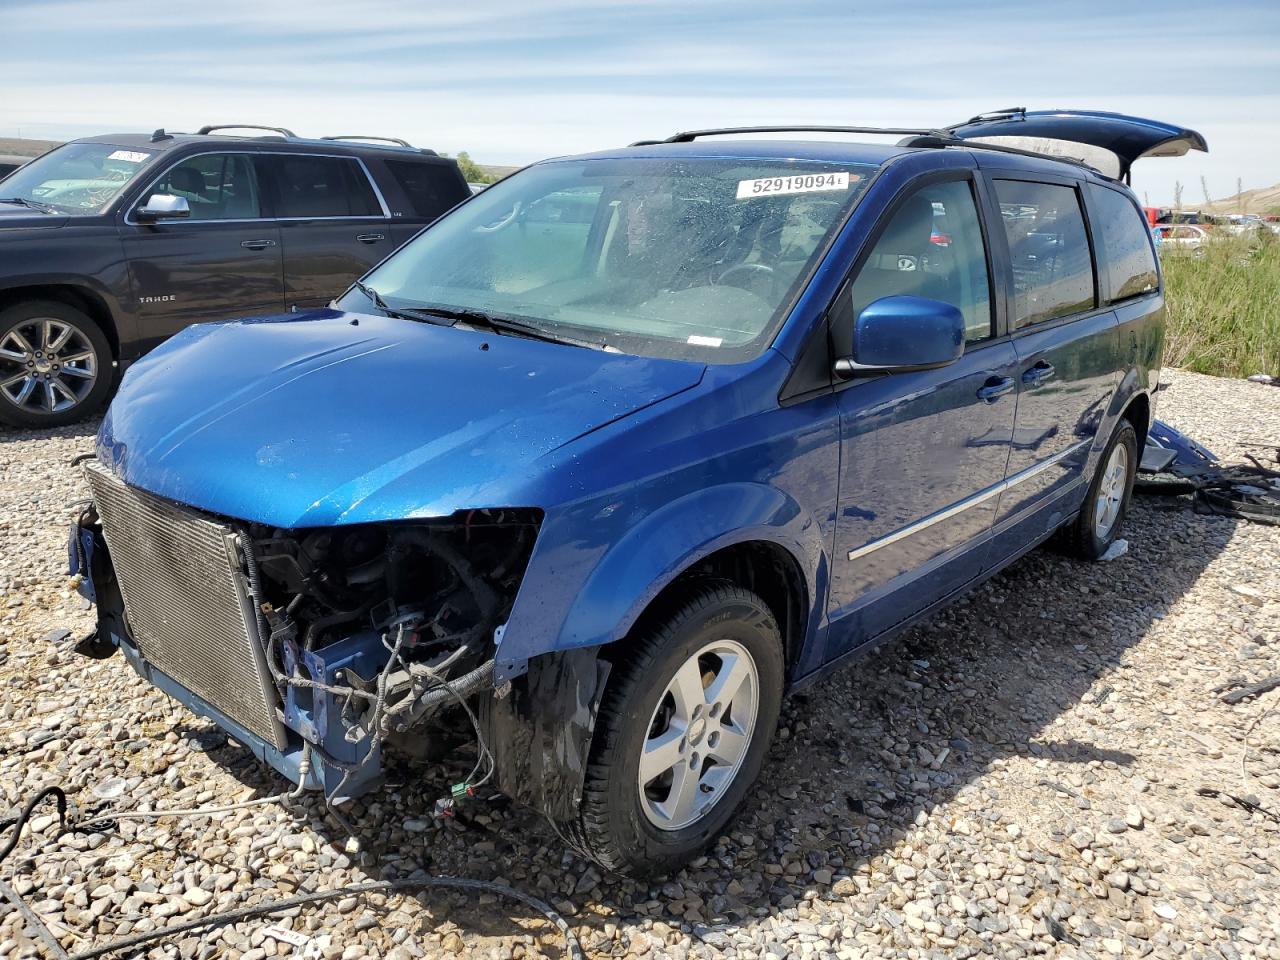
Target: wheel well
(767,570)
(1138,413)
(73,296)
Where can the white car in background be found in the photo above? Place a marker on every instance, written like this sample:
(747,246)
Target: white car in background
(1182,237)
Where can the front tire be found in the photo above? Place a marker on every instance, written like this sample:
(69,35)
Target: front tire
(1107,502)
(55,365)
(682,731)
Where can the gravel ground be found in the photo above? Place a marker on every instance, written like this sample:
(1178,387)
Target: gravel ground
(1018,776)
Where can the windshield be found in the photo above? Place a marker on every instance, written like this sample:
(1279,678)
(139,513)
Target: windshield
(691,258)
(79,178)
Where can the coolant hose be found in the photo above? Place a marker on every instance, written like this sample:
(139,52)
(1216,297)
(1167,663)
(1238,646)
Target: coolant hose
(255,580)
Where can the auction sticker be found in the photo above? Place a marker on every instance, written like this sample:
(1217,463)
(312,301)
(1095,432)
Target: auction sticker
(129,156)
(800,183)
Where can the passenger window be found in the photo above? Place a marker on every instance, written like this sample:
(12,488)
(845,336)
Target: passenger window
(431,189)
(313,187)
(216,186)
(932,248)
(1131,263)
(1052,268)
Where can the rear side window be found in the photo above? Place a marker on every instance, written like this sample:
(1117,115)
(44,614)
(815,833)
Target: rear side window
(1130,261)
(323,187)
(430,188)
(1052,268)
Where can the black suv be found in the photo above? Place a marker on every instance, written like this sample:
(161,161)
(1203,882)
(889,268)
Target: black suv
(110,244)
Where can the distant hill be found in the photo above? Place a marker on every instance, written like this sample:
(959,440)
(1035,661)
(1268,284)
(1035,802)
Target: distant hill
(497,172)
(21,147)
(1262,200)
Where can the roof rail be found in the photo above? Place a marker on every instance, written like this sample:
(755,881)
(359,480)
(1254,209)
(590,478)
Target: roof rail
(283,131)
(355,136)
(936,138)
(689,136)
(938,141)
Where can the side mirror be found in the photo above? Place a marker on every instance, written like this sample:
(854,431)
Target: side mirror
(901,334)
(163,206)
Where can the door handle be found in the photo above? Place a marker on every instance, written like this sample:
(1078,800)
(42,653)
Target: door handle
(370,237)
(257,244)
(1038,374)
(995,388)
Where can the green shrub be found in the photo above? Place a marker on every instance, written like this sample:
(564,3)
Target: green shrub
(1224,306)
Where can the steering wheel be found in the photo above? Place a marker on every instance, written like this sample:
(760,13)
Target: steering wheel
(762,270)
(502,223)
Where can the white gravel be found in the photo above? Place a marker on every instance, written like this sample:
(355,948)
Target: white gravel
(1018,776)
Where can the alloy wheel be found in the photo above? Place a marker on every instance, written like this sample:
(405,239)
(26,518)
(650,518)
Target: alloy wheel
(1111,489)
(47,365)
(698,735)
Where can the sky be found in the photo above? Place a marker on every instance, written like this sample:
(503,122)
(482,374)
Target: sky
(512,81)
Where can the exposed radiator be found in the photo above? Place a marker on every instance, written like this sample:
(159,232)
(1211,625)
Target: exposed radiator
(186,600)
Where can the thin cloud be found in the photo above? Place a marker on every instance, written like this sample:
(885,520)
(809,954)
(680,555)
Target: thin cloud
(513,81)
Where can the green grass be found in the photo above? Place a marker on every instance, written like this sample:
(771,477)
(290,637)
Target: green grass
(1224,307)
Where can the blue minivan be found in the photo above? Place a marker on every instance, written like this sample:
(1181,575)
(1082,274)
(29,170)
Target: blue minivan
(620,451)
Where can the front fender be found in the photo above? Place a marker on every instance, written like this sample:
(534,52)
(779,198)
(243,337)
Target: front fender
(651,553)
(100,285)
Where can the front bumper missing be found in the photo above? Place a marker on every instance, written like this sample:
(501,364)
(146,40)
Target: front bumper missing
(315,718)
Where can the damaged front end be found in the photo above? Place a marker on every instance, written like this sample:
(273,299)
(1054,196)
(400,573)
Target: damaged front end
(317,648)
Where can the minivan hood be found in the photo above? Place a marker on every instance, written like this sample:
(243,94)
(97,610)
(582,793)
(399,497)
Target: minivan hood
(324,417)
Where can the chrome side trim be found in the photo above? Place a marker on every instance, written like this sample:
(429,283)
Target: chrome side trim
(982,496)
(373,182)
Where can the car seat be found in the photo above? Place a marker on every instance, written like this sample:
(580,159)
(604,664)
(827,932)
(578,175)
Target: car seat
(897,265)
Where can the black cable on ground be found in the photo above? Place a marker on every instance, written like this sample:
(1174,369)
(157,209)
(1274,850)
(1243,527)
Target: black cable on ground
(377,886)
(19,821)
(34,922)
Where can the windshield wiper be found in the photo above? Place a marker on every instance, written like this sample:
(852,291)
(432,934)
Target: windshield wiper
(33,204)
(499,323)
(389,310)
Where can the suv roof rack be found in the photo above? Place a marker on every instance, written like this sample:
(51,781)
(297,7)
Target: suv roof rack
(688,136)
(283,131)
(355,136)
(392,140)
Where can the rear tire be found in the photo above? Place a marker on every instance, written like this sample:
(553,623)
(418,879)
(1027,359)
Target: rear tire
(682,731)
(1107,502)
(55,365)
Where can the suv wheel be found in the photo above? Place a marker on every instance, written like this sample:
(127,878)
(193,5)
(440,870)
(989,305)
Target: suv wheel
(682,731)
(1107,502)
(55,365)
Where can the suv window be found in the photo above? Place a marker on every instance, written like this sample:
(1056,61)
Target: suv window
(430,188)
(1052,268)
(323,187)
(1131,263)
(217,186)
(932,247)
